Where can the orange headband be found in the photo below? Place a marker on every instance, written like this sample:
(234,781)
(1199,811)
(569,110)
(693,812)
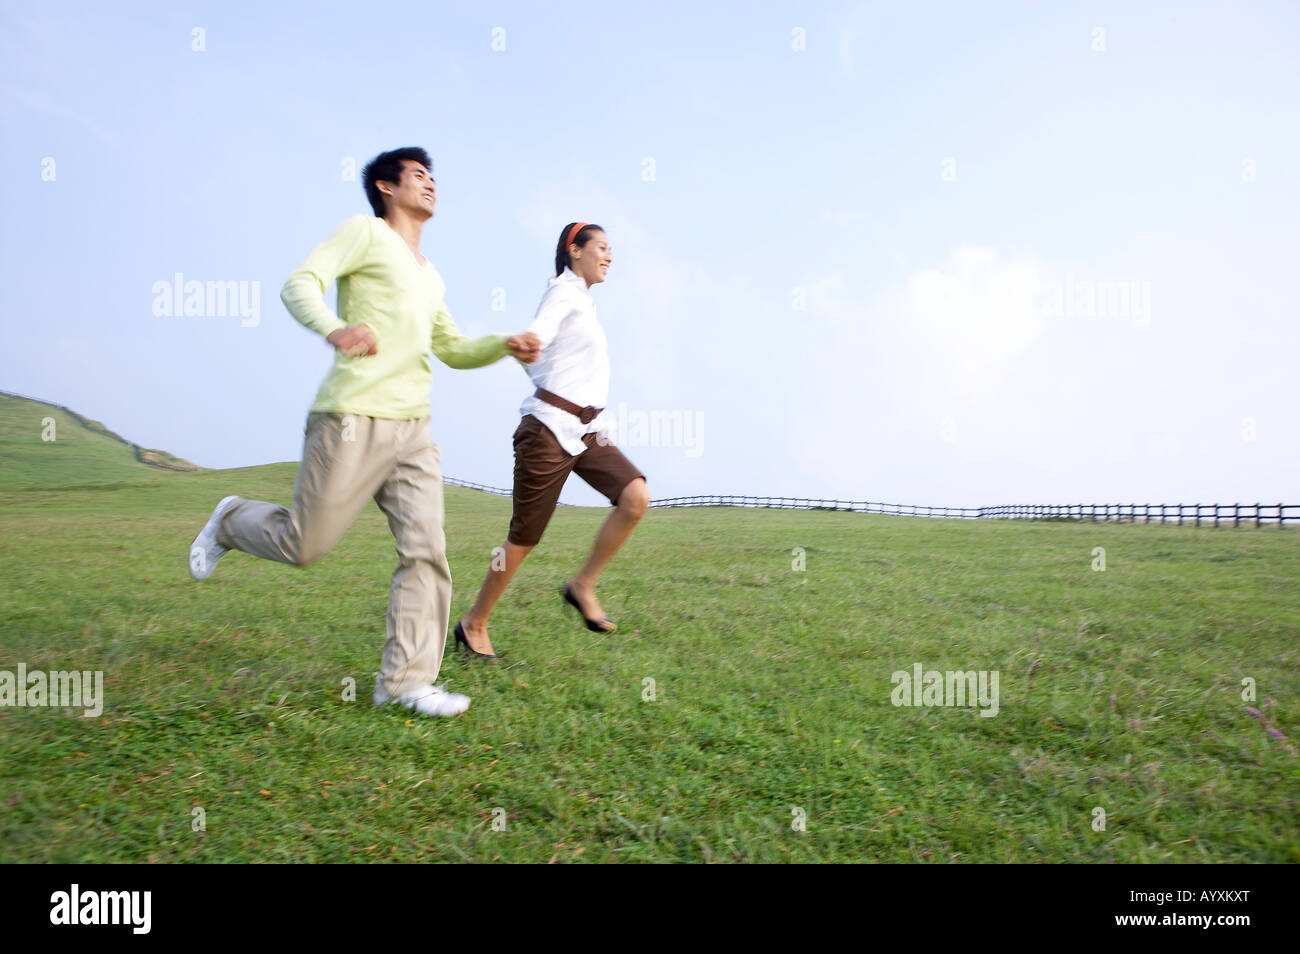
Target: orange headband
(573,233)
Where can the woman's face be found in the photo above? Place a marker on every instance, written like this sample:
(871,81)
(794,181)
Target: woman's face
(591,262)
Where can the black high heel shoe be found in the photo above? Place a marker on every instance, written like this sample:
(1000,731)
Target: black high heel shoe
(592,624)
(466,648)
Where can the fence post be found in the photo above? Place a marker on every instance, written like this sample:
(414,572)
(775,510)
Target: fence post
(1279,516)
(1257,514)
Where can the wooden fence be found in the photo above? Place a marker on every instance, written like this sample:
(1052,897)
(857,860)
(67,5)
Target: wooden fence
(1234,514)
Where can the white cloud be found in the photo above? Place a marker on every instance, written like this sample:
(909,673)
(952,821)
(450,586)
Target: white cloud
(977,312)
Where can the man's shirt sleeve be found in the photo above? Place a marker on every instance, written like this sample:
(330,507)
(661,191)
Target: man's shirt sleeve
(456,350)
(304,291)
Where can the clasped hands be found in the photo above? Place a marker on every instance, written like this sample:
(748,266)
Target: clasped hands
(358,341)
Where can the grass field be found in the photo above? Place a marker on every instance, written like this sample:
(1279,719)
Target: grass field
(1119,689)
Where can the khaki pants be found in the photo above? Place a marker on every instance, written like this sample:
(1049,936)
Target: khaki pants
(348,459)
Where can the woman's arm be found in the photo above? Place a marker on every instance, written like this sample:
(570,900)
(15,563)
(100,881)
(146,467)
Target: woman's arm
(554,307)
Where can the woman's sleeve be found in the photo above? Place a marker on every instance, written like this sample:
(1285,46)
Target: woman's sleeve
(554,307)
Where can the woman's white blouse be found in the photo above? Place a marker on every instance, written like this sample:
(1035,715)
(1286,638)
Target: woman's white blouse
(574,362)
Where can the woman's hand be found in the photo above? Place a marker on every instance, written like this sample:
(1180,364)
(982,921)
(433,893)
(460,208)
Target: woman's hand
(526,347)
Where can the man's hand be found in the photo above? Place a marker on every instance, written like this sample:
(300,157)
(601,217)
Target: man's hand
(525,347)
(355,341)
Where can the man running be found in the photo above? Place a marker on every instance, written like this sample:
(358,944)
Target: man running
(367,434)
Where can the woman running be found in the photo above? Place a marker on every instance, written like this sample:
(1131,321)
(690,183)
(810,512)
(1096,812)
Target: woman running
(559,434)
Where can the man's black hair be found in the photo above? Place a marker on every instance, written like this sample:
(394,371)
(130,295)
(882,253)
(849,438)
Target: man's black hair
(387,167)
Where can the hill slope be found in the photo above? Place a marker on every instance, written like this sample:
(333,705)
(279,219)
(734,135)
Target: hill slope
(47,445)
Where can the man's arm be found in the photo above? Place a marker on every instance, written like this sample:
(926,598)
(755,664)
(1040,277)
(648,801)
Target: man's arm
(304,291)
(459,351)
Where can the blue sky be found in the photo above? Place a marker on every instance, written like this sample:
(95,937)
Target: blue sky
(841,272)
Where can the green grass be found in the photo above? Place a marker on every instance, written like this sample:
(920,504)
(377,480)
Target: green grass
(772,690)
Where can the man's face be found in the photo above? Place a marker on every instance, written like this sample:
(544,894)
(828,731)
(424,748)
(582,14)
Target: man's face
(415,192)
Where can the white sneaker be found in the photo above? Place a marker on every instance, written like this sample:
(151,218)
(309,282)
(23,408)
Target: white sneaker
(430,700)
(205,551)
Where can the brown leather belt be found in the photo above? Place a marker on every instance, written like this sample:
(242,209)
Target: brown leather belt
(585,414)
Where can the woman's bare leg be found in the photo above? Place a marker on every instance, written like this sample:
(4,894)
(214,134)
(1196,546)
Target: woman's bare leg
(494,584)
(618,526)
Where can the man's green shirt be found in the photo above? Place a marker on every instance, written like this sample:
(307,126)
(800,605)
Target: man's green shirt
(383,287)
